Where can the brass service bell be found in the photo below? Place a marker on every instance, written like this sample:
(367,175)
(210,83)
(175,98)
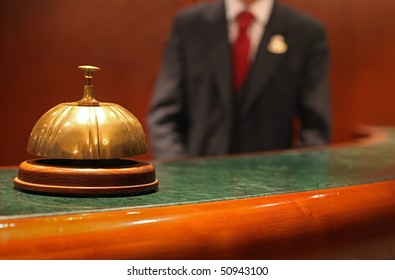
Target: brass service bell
(82,144)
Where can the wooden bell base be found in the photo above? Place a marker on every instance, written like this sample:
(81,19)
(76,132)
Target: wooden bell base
(86,178)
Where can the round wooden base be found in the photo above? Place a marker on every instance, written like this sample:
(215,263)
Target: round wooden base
(86,178)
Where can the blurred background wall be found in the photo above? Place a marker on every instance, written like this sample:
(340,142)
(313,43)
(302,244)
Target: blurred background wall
(43,41)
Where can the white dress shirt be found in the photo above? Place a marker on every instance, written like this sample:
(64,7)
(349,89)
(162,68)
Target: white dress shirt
(260,9)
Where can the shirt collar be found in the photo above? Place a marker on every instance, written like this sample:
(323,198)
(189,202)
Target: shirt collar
(260,9)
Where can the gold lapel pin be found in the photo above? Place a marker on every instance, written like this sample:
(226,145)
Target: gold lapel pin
(277,45)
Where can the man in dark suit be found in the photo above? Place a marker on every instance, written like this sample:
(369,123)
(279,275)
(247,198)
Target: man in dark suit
(200,108)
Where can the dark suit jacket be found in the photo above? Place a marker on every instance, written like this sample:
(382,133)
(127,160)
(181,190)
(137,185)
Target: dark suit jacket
(194,109)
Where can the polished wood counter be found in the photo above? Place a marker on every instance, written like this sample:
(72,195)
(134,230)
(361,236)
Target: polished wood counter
(333,202)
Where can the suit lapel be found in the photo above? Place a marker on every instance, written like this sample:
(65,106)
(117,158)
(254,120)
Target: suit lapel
(266,62)
(218,51)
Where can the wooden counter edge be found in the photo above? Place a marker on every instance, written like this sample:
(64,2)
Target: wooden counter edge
(352,222)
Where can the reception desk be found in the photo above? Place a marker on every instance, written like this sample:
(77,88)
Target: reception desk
(335,202)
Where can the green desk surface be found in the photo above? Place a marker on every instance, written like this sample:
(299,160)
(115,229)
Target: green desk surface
(204,180)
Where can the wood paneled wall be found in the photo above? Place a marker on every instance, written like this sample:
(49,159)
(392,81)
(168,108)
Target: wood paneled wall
(43,41)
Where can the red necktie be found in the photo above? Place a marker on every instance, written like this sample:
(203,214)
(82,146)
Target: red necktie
(240,50)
